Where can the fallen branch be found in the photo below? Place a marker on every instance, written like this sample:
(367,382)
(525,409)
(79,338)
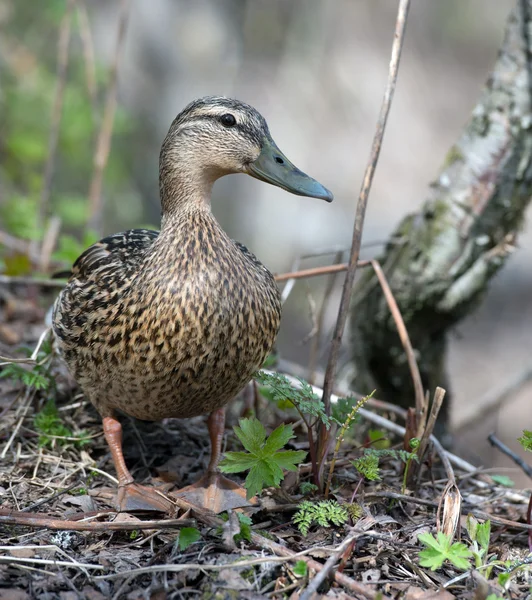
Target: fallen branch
(25,519)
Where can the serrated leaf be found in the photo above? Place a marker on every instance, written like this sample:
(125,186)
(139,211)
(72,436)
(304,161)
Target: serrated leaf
(440,549)
(290,459)
(187,536)
(264,460)
(236,462)
(278,438)
(251,433)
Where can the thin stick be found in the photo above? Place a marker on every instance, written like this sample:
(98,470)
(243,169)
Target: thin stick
(26,519)
(314,272)
(103,145)
(39,281)
(421,404)
(313,586)
(315,347)
(61,74)
(88,56)
(439,396)
(495,441)
(49,242)
(330,372)
(46,561)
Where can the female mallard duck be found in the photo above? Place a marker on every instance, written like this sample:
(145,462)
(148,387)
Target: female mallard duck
(174,323)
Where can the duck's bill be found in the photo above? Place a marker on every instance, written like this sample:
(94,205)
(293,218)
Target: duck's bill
(273,167)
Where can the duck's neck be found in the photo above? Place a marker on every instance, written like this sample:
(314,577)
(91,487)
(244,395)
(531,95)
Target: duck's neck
(184,184)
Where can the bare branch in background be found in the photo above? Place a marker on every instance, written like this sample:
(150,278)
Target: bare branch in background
(61,74)
(88,56)
(330,372)
(103,145)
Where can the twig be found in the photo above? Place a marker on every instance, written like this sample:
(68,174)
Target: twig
(330,372)
(61,74)
(439,396)
(495,441)
(495,398)
(314,272)
(88,56)
(48,243)
(315,347)
(421,408)
(103,144)
(47,561)
(48,283)
(327,567)
(26,519)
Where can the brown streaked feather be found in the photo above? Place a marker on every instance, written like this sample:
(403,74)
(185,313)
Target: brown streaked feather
(173,324)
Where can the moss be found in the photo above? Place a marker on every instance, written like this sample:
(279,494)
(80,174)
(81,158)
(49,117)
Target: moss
(454,155)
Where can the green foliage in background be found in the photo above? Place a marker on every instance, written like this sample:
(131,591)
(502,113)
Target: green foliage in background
(29,81)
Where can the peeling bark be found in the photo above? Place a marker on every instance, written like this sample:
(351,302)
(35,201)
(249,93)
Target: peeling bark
(465,230)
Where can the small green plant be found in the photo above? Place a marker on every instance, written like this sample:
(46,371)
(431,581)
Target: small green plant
(278,388)
(368,466)
(300,569)
(51,428)
(187,537)
(36,377)
(441,548)
(324,513)
(264,458)
(526,440)
(307,488)
(244,525)
(479,533)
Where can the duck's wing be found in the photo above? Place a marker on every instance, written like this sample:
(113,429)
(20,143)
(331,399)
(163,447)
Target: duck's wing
(122,251)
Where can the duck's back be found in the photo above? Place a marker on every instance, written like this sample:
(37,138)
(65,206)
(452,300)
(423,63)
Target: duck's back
(169,325)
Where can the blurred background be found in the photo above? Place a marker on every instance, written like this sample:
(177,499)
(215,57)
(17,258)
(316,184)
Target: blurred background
(316,70)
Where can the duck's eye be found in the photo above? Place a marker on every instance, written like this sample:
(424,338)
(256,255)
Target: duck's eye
(228,120)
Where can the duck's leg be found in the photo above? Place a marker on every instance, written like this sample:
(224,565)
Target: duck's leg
(131,495)
(213,490)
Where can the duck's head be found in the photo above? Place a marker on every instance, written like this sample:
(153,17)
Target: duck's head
(216,136)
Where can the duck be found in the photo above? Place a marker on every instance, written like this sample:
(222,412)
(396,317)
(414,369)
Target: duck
(173,324)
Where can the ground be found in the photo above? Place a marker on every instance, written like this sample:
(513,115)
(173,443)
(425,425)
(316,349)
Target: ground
(47,480)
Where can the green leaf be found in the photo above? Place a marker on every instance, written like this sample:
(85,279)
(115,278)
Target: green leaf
(280,390)
(368,466)
(526,440)
(483,535)
(264,460)
(440,549)
(187,536)
(503,480)
(251,433)
(324,513)
(300,569)
(245,528)
(279,438)
(290,459)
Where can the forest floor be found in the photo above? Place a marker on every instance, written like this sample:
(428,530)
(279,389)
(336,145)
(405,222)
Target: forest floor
(61,537)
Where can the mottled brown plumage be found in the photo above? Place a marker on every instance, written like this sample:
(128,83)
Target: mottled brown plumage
(173,324)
